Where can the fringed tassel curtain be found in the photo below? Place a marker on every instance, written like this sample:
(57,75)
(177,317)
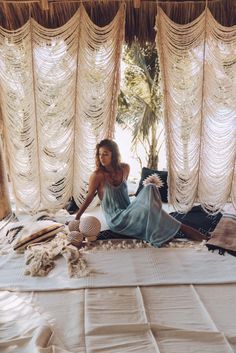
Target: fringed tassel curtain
(58,97)
(198,63)
(98,87)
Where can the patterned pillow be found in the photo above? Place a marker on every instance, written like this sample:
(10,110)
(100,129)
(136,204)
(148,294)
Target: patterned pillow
(162,174)
(21,234)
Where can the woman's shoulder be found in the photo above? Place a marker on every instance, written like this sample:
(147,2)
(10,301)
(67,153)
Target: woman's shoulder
(124,165)
(97,175)
(126,168)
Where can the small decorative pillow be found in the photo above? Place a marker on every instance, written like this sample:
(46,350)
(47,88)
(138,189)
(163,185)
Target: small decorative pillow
(223,237)
(146,172)
(153,179)
(21,234)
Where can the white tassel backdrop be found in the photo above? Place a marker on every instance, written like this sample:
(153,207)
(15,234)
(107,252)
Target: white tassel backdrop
(58,95)
(198,63)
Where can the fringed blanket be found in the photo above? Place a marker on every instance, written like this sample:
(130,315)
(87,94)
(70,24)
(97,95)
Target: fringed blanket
(124,267)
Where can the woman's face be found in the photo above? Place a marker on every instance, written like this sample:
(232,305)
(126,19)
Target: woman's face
(105,156)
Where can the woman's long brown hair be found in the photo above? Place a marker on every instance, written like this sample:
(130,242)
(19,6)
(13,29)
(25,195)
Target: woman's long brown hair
(115,154)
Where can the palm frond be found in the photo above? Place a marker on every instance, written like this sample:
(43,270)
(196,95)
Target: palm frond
(140,101)
(123,102)
(140,61)
(143,122)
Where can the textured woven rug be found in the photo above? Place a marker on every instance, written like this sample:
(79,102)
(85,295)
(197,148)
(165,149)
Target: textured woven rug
(125,267)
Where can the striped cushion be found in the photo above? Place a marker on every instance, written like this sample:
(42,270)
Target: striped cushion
(21,234)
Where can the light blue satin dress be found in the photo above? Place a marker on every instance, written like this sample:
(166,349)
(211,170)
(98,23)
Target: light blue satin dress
(142,218)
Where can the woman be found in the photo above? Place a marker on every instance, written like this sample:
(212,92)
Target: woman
(143,218)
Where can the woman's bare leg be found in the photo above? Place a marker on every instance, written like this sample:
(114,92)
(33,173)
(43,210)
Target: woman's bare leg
(192,233)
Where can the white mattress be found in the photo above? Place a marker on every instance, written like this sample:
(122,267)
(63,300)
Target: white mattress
(168,300)
(137,318)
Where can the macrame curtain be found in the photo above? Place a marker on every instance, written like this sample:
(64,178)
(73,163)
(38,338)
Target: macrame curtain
(58,96)
(198,64)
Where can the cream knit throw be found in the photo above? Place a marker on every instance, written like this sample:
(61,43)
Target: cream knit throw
(40,258)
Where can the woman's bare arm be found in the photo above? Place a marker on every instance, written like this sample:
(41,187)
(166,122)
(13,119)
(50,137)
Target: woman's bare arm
(94,182)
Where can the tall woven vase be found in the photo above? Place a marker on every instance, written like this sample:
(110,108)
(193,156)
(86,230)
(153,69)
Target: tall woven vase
(5,206)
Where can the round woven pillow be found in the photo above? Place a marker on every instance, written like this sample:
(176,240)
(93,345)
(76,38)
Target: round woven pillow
(90,226)
(75,238)
(74,225)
